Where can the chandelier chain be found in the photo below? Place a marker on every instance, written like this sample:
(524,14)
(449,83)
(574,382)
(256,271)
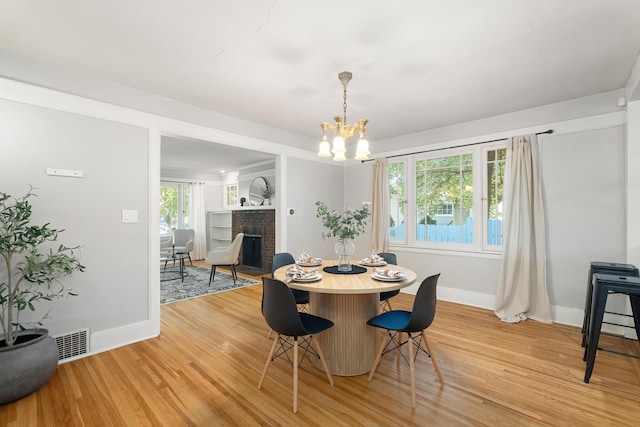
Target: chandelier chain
(344,105)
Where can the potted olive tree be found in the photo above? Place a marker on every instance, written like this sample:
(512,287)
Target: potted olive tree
(29,274)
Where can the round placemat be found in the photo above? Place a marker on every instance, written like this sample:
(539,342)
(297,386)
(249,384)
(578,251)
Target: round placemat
(355,269)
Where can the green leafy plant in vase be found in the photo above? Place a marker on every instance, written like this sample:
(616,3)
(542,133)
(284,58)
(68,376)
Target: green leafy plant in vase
(267,194)
(30,274)
(345,226)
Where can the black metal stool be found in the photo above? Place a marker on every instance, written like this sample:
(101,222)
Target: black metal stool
(603,284)
(628,270)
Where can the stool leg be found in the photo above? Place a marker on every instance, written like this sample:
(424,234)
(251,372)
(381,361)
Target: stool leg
(597,314)
(635,309)
(587,308)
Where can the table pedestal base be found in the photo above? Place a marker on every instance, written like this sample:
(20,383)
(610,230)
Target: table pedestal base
(350,345)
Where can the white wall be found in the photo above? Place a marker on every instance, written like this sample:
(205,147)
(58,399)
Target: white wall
(306,183)
(114,289)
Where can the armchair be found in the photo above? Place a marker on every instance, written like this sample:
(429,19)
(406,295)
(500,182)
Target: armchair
(183,241)
(226,256)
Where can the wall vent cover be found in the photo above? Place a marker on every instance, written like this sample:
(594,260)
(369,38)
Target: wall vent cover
(72,344)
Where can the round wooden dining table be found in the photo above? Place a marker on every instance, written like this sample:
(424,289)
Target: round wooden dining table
(349,300)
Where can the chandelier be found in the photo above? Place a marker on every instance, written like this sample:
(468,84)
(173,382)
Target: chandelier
(344,131)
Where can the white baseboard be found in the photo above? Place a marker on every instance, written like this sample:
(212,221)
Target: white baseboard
(119,337)
(562,315)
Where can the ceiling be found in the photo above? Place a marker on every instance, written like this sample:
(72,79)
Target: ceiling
(417,64)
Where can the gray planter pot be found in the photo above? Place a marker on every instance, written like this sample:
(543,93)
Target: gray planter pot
(27,365)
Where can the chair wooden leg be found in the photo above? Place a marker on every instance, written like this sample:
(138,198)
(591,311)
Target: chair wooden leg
(269,334)
(413,373)
(433,359)
(266,366)
(323,361)
(295,375)
(378,356)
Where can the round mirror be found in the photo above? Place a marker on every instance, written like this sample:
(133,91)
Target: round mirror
(257,190)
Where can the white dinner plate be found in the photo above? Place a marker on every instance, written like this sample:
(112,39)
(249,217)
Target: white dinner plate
(308,279)
(374,264)
(309,264)
(387,278)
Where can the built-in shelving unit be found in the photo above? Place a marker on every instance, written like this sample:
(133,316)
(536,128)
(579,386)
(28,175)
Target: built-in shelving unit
(219,228)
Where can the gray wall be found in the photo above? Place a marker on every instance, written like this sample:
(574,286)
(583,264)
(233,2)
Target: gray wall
(114,289)
(308,182)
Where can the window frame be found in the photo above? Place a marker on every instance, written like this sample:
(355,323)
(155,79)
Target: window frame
(486,247)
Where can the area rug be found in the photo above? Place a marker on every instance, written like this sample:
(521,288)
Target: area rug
(196,284)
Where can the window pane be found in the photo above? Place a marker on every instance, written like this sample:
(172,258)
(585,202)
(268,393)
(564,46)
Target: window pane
(495,184)
(396,175)
(168,209)
(444,199)
(185,211)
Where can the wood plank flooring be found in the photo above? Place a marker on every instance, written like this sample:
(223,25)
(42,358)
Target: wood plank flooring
(204,368)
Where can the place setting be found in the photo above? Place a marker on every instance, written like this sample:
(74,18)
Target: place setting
(297,273)
(374,260)
(305,260)
(388,275)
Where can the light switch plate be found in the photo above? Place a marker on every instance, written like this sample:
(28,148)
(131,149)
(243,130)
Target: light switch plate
(129,215)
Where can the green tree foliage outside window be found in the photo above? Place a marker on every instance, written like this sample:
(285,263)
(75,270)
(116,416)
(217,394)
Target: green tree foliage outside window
(445,179)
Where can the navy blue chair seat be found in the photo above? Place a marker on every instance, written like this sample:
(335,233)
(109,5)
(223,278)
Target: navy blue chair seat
(293,330)
(413,323)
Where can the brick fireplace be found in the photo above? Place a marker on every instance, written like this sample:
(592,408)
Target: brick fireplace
(256,222)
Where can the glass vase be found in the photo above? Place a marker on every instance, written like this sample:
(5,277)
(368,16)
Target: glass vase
(344,249)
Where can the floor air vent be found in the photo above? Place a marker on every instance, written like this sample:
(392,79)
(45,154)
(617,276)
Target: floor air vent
(72,344)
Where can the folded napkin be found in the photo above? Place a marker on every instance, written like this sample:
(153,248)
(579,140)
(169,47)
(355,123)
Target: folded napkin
(304,257)
(297,272)
(374,258)
(387,272)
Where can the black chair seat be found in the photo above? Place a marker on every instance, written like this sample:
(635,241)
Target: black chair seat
(314,324)
(390,258)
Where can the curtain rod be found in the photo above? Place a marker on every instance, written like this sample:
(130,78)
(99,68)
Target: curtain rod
(550,131)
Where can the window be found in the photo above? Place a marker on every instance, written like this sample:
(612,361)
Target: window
(231,195)
(453,199)
(174,207)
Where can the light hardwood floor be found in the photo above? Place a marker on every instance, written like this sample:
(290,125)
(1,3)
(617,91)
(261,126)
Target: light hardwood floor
(204,368)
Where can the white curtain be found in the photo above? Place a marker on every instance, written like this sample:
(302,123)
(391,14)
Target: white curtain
(522,283)
(380,207)
(197,220)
